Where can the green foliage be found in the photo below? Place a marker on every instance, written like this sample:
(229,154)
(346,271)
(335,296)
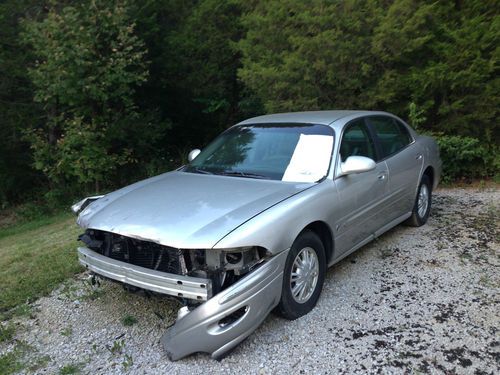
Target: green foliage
(206,61)
(32,210)
(303,56)
(127,362)
(415,116)
(67,332)
(89,64)
(10,362)
(466,157)
(44,204)
(7,332)
(96,94)
(444,56)
(129,320)
(203,60)
(17,110)
(14,361)
(440,56)
(70,369)
(34,258)
(117,348)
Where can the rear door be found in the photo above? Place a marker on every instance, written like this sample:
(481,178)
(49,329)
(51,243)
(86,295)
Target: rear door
(404,161)
(360,195)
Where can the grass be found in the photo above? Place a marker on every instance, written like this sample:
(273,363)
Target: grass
(117,347)
(10,363)
(7,332)
(70,369)
(129,320)
(20,310)
(67,332)
(84,291)
(34,258)
(13,361)
(127,362)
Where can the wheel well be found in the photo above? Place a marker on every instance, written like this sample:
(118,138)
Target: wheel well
(429,172)
(325,234)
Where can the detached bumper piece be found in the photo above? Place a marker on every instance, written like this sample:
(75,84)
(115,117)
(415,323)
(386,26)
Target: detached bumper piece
(218,325)
(167,283)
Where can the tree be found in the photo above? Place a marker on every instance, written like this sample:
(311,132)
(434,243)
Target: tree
(372,54)
(202,61)
(443,56)
(304,56)
(17,177)
(89,62)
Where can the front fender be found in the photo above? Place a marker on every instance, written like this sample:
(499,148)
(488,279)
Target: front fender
(276,228)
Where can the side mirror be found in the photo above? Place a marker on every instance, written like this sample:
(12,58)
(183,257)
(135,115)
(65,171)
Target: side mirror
(193,154)
(356,164)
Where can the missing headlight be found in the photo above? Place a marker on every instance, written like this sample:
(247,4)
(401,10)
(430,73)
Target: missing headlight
(227,266)
(234,258)
(242,260)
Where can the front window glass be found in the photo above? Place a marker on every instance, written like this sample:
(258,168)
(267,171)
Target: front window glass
(287,152)
(357,142)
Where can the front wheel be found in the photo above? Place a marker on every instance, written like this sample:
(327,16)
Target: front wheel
(303,276)
(422,206)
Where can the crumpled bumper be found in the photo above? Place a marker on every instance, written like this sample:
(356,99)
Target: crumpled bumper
(225,320)
(162,282)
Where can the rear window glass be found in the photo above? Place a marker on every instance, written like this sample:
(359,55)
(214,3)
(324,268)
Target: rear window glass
(392,135)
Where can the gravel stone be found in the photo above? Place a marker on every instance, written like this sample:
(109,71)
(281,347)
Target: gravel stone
(416,300)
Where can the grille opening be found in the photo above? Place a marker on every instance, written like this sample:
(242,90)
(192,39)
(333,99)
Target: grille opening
(138,252)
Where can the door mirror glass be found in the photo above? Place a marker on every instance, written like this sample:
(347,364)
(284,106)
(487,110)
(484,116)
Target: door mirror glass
(193,154)
(356,164)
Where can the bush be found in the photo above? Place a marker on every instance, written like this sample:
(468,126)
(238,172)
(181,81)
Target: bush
(466,158)
(42,202)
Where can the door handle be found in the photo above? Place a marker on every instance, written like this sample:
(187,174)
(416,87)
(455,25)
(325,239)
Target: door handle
(382,176)
(418,157)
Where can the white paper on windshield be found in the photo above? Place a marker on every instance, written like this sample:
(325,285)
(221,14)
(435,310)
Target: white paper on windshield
(311,158)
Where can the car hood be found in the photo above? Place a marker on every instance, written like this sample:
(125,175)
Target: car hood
(185,210)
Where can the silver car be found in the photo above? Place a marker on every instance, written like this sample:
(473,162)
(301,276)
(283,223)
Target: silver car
(253,221)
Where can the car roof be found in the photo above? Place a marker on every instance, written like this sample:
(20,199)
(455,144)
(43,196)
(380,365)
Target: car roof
(309,117)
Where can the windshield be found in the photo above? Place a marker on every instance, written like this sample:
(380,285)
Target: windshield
(286,152)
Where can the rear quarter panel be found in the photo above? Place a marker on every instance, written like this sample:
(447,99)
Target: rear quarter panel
(432,159)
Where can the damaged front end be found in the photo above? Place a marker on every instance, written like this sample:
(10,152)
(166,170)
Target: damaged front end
(226,293)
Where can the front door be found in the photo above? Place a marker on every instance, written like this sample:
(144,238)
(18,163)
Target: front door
(360,195)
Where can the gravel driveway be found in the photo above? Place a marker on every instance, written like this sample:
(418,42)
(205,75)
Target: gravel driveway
(417,300)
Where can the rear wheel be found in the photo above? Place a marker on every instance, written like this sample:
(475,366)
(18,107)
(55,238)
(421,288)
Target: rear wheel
(303,276)
(422,206)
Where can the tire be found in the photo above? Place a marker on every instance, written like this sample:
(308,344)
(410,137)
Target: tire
(307,254)
(422,206)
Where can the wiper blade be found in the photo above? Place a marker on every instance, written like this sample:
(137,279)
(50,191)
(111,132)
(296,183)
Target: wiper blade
(199,170)
(242,174)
